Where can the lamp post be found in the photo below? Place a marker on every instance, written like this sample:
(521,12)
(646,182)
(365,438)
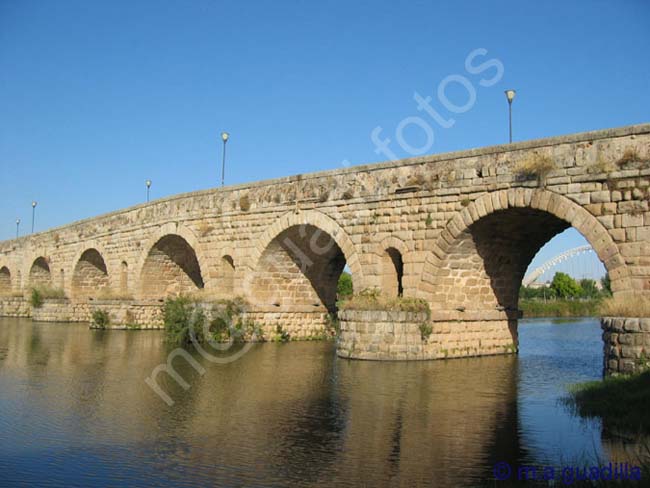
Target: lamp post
(17,228)
(148,183)
(34,203)
(224,138)
(510,95)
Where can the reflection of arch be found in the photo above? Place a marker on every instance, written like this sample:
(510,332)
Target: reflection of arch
(170,268)
(5,281)
(90,275)
(39,273)
(227,284)
(322,222)
(480,257)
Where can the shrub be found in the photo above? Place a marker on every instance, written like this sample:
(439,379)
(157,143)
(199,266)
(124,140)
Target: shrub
(36,298)
(244,203)
(47,291)
(344,286)
(425,330)
(629,155)
(536,166)
(281,335)
(101,318)
(182,318)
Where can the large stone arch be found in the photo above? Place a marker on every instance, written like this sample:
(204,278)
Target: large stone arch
(5,281)
(297,261)
(480,257)
(90,275)
(173,263)
(39,272)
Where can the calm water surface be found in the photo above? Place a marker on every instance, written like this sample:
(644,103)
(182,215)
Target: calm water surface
(75,411)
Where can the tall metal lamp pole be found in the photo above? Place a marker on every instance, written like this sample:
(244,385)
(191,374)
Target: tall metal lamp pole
(34,203)
(17,228)
(510,95)
(148,183)
(224,138)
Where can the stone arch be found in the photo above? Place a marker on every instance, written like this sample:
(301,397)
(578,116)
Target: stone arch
(480,257)
(227,275)
(325,224)
(90,274)
(298,261)
(5,281)
(172,264)
(39,272)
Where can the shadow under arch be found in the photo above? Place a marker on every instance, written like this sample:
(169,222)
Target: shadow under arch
(89,273)
(297,262)
(480,257)
(173,262)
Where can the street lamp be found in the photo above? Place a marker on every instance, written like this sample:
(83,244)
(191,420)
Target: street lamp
(510,95)
(17,226)
(148,183)
(34,203)
(224,138)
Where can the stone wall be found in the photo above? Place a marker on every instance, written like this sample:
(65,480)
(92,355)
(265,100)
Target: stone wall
(627,344)
(398,335)
(15,307)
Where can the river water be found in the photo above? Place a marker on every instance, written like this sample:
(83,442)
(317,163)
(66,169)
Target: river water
(75,411)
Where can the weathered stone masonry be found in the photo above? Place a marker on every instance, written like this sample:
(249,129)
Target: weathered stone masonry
(456,229)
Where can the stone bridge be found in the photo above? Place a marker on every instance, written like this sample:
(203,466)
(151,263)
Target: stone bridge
(456,229)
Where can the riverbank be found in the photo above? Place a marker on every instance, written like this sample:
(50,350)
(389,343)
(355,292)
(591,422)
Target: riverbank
(620,401)
(559,308)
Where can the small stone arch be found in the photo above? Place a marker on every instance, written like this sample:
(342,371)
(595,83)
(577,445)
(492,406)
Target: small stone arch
(172,264)
(482,253)
(39,272)
(124,278)
(5,281)
(90,275)
(227,275)
(392,253)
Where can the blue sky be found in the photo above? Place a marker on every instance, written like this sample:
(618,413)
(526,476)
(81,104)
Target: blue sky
(96,97)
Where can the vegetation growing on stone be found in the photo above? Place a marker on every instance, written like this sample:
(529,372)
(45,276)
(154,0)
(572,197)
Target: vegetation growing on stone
(536,166)
(344,286)
(39,293)
(101,318)
(372,299)
(36,299)
(186,319)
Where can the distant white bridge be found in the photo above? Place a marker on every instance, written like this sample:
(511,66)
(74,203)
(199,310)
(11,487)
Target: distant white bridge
(530,278)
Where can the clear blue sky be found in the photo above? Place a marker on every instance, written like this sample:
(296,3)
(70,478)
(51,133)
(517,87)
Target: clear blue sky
(96,97)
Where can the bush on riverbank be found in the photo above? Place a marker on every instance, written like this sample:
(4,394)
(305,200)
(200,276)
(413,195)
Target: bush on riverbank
(372,299)
(621,401)
(559,308)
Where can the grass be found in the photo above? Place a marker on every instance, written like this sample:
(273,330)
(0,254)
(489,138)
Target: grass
(39,293)
(536,166)
(559,308)
(621,401)
(372,299)
(625,306)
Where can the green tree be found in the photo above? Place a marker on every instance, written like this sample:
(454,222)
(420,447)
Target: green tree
(589,288)
(344,286)
(564,286)
(607,284)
